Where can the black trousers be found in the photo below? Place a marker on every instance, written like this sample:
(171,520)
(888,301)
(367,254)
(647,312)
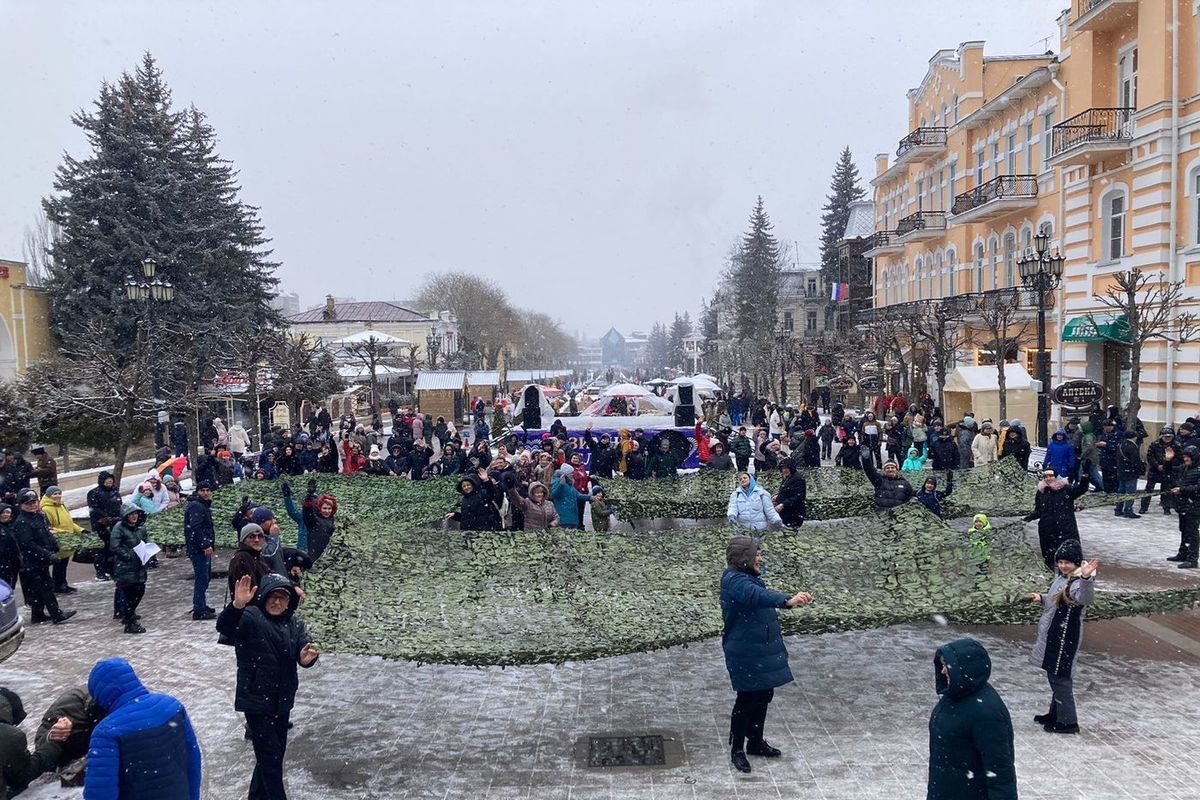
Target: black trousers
(39,591)
(59,572)
(268,734)
(749,716)
(1189,535)
(129,595)
(1163,483)
(104,557)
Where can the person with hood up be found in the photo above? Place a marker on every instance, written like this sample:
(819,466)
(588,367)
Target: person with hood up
(129,571)
(1054,509)
(850,455)
(104,508)
(1016,446)
(793,493)
(978,548)
(1060,632)
(160,495)
(1060,454)
(891,488)
(983,445)
(971,755)
(61,524)
(145,746)
(931,497)
(943,451)
(537,510)
(565,496)
(239,440)
(200,536)
(752,640)
(19,767)
(719,460)
(750,505)
(38,549)
(915,462)
(966,436)
(478,507)
(179,438)
(601,513)
(270,641)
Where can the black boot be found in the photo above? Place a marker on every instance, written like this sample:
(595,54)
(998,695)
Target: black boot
(133,627)
(1059,727)
(1180,556)
(739,760)
(761,748)
(62,617)
(1189,565)
(1049,718)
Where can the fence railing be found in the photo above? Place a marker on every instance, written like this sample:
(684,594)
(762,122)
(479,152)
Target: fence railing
(1093,125)
(922,137)
(1004,186)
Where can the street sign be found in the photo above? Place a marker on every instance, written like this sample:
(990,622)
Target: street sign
(841,384)
(1077,394)
(869,383)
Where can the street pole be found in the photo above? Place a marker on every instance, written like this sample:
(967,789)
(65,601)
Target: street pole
(1041,272)
(1043,411)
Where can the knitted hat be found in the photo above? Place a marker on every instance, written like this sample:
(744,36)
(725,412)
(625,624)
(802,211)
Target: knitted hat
(247,530)
(51,490)
(597,489)
(261,514)
(564,470)
(1070,550)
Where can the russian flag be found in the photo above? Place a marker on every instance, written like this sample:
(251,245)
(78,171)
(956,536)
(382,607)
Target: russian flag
(841,292)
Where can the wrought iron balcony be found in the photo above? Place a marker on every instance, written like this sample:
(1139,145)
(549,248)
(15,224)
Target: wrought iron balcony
(1096,133)
(996,197)
(922,225)
(882,242)
(1103,15)
(921,144)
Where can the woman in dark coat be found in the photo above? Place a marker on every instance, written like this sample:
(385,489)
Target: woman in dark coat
(1017,446)
(477,509)
(753,643)
(10,551)
(790,502)
(970,731)
(719,460)
(1054,509)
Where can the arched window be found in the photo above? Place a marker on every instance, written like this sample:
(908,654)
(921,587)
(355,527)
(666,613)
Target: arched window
(979,257)
(1113,207)
(1010,259)
(994,261)
(918,277)
(1026,240)
(951,279)
(1192,188)
(935,274)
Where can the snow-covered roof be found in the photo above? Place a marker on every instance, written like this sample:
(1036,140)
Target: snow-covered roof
(370,311)
(862,220)
(364,337)
(982,379)
(360,371)
(535,375)
(489,377)
(432,381)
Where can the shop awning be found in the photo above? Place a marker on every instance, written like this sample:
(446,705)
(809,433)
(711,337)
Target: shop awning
(1106,328)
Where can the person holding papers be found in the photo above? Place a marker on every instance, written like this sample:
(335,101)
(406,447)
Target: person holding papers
(131,550)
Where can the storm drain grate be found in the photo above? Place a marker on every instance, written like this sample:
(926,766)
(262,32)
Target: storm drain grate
(626,751)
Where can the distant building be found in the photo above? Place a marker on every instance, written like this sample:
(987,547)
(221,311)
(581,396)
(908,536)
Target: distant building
(24,321)
(286,303)
(854,273)
(612,349)
(335,320)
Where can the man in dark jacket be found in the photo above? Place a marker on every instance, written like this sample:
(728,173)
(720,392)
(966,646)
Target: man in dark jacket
(1109,443)
(849,455)
(970,731)
(104,509)
(719,460)
(145,745)
(891,490)
(790,502)
(1016,446)
(1129,469)
(1054,509)
(604,455)
(270,641)
(17,765)
(200,537)
(1186,497)
(1162,458)
(15,474)
(39,548)
(943,450)
(740,447)
(663,462)
(77,707)
(752,639)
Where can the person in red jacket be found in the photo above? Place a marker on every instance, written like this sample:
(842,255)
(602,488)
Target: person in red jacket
(581,481)
(702,447)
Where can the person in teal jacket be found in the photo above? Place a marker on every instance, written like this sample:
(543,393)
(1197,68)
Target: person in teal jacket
(565,496)
(915,461)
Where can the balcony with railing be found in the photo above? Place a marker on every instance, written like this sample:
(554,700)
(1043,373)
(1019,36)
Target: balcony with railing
(883,243)
(1097,134)
(921,145)
(995,198)
(1103,15)
(922,225)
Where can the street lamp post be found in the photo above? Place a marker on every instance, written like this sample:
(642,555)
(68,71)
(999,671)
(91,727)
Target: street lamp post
(433,346)
(1041,272)
(148,292)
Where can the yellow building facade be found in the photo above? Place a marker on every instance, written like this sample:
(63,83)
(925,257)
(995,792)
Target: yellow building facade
(24,321)
(1098,146)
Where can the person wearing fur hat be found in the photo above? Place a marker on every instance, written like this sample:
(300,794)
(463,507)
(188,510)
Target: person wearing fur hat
(129,572)
(270,642)
(1060,632)
(752,640)
(1054,509)
(891,489)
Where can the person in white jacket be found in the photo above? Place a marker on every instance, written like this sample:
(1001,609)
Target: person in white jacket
(751,506)
(983,446)
(239,440)
(775,423)
(161,497)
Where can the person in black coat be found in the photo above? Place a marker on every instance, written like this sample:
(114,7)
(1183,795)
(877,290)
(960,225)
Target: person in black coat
(1129,469)
(1185,496)
(104,510)
(604,454)
(200,537)
(1054,509)
(10,551)
(1017,446)
(39,549)
(971,754)
(943,450)
(931,497)
(1109,443)
(790,502)
(752,639)
(720,459)
(891,490)
(477,509)
(269,641)
(810,450)
(1163,461)
(850,455)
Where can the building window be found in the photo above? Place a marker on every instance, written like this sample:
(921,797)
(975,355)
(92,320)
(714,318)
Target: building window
(951,280)
(1030,167)
(1026,240)
(935,274)
(812,287)
(810,321)
(996,158)
(1047,135)
(954,107)
(1114,213)
(1127,69)
(950,196)
(1011,166)
(1196,204)
(918,278)
(979,257)
(979,166)
(994,262)
(1010,259)
(788,323)
(920,191)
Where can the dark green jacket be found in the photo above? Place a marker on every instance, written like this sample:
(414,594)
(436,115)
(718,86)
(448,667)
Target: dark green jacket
(127,567)
(970,731)
(741,446)
(17,766)
(662,465)
(79,707)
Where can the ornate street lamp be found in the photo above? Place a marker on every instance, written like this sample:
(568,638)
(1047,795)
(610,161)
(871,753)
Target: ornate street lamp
(1042,272)
(148,292)
(433,346)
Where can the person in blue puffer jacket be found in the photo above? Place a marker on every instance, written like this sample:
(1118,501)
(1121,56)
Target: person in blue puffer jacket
(1060,455)
(753,643)
(144,748)
(751,506)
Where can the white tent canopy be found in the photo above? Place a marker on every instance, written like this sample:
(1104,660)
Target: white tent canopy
(977,389)
(362,337)
(355,372)
(635,405)
(626,390)
(699,382)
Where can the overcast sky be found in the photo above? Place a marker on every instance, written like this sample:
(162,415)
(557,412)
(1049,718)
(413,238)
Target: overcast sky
(597,159)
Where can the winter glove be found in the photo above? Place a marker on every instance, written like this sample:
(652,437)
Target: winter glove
(312,487)
(286,489)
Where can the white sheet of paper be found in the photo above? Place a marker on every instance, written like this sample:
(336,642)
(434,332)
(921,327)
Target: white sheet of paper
(146,551)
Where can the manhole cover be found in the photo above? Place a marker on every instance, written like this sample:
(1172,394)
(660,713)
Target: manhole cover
(626,751)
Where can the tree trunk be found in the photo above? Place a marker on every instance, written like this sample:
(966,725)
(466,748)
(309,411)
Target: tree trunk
(1135,380)
(192,422)
(1001,384)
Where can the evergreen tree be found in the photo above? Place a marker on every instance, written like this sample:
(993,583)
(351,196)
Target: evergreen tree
(658,349)
(681,328)
(154,187)
(844,190)
(756,272)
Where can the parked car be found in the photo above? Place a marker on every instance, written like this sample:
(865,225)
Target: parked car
(12,632)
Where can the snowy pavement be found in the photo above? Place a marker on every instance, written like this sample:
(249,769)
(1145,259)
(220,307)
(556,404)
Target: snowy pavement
(853,725)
